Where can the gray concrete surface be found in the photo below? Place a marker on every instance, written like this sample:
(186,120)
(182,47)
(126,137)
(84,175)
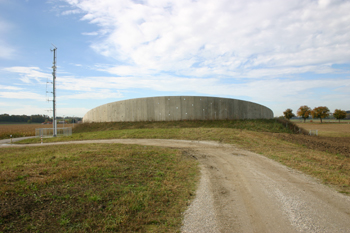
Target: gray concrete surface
(175,108)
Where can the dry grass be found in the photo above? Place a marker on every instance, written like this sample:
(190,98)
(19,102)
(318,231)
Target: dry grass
(94,188)
(22,130)
(333,169)
(263,138)
(328,129)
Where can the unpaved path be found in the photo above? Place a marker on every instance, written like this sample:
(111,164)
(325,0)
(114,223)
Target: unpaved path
(241,191)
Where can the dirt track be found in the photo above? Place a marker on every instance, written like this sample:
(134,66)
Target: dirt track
(251,193)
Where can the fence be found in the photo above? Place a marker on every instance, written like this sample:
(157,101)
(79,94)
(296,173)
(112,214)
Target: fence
(48,132)
(313,132)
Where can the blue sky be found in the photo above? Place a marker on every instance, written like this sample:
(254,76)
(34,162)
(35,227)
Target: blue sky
(281,54)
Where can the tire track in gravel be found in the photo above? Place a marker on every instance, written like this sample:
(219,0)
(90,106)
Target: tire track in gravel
(241,191)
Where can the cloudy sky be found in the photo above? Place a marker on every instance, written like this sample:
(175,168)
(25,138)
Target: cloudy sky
(281,54)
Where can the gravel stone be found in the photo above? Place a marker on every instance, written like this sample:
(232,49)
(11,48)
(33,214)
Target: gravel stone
(200,216)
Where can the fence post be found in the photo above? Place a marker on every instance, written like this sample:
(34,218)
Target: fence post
(41,139)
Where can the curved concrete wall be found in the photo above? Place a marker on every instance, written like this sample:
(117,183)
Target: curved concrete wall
(175,108)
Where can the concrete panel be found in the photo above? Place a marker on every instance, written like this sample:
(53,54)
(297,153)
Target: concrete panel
(150,109)
(216,108)
(133,108)
(184,106)
(127,111)
(167,108)
(159,109)
(204,108)
(174,108)
(210,108)
(190,107)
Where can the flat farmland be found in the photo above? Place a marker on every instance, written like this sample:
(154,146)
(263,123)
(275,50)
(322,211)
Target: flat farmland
(22,130)
(332,137)
(328,129)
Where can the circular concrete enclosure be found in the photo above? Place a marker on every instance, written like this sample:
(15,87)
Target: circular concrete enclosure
(176,108)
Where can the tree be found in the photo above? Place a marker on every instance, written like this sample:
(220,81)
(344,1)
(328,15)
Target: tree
(320,112)
(288,113)
(339,114)
(304,112)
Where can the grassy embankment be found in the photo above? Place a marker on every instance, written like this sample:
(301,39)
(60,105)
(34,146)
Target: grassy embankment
(113,187)
(260,136)
(224,131)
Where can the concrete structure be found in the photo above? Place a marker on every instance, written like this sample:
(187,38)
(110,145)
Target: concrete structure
(175,108)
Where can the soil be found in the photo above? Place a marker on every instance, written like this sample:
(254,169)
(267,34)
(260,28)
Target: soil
(251,193)
(335,145)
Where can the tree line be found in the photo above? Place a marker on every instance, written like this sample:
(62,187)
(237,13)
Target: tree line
(24,118)
(36,118)
(318,112)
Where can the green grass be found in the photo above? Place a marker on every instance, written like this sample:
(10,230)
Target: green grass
(259,125)
(94,188)
(204,134)
(223,131)
(104,187)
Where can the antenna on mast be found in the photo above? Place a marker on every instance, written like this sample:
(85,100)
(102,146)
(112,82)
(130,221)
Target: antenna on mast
(54,91)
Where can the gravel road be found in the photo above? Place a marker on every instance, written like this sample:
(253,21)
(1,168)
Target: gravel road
(241,191)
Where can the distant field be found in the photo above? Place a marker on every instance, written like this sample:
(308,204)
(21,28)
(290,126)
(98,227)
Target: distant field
(328,129)
(324,121)
(22,130)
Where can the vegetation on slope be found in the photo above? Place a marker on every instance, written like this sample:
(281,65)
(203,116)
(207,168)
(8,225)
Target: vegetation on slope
(94,188)
(271,138)
(329,161)
(260,125)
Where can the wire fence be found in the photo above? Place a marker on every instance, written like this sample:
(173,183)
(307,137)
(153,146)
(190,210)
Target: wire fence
(48,132)
(313,132)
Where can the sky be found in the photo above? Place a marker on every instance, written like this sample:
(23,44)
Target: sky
(281,54)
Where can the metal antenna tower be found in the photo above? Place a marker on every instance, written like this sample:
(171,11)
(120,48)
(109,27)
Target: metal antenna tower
(54,91)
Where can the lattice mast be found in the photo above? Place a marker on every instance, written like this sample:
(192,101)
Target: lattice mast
(54,92)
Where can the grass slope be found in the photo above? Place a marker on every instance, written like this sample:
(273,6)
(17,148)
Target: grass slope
(260,125)
(109,174)
(261,136)
(94,188)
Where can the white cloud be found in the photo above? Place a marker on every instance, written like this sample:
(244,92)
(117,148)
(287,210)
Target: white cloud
(97,94)
(28,74)
(70,12)
(25,95)
(26,110)
(78,112)
(221,37)
(6,51)
(74,64)
(12,88)
(90,33)
(259,90)
(261,51)
(5,104)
